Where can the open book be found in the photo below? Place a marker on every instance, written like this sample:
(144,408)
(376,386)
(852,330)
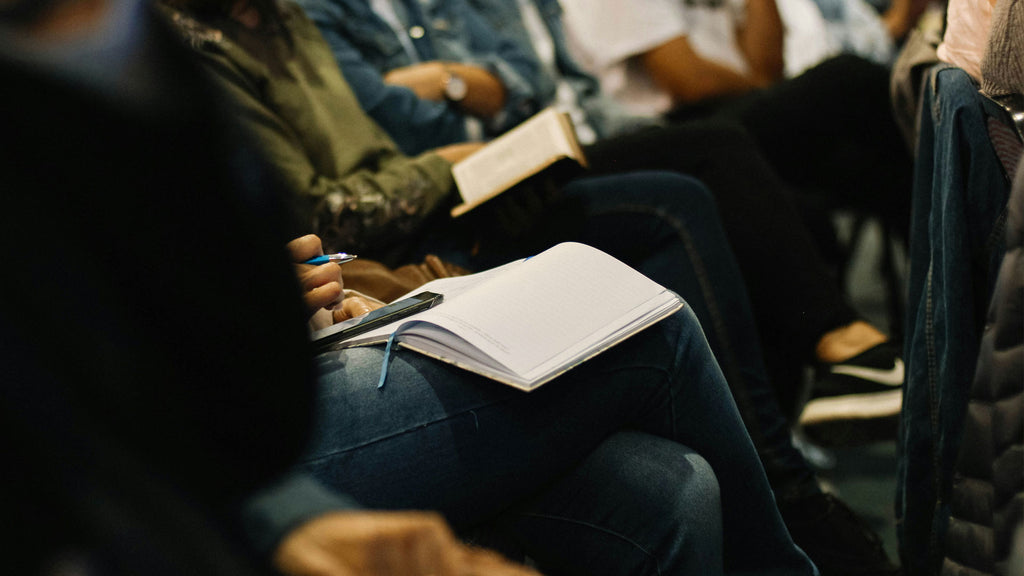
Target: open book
(546,139)
(526,322)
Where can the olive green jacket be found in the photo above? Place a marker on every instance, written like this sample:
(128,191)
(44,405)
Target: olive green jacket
(352,184)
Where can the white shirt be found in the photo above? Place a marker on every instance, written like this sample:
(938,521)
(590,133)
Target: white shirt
(566,99)
(607,36)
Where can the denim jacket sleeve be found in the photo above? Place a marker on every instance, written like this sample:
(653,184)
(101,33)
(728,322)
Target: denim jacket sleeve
(269,515)
(366,48)
(516,66)
(604,115)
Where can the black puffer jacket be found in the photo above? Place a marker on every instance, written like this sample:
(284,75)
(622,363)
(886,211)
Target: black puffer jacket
(987,501)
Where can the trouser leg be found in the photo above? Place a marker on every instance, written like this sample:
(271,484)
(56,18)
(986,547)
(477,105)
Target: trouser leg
(795,298)
(691,255)
(794,295)
(831,130)
(436,437)
(637,504)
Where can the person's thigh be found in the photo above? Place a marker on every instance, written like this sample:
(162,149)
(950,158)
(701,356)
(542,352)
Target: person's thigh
(437,437)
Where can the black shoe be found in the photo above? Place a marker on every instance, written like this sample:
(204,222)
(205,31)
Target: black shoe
(857,400)
(838,541)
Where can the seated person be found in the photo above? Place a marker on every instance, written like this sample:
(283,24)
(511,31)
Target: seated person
(816,30)
(577,463)
(829,131)
(658,240)
(792,289)
(166,405)
(151,384)
(800,310)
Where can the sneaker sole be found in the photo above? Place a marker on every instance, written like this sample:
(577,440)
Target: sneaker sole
(848,433)
(852,407)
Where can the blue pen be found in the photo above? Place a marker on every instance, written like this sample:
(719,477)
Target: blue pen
(339,258)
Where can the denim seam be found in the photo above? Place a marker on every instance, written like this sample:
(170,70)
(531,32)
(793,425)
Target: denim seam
(729,354)
(933,408)
(612,533)
(415,428)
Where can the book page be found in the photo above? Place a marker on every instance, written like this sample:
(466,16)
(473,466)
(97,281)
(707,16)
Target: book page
(528,321)
(519,153)
(450,288)
(546,309)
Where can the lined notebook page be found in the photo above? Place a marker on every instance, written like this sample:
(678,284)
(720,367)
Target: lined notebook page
(535,310)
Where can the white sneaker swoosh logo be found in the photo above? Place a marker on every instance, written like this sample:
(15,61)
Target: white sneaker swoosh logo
(891,377)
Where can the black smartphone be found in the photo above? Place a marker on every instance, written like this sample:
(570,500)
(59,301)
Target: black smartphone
(379,317)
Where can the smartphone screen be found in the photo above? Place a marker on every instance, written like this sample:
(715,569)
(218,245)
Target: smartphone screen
(379,317)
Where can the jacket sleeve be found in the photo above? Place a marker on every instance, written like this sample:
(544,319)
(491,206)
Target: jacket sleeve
(379,205)
(269,515)
(516,66)
(416,124)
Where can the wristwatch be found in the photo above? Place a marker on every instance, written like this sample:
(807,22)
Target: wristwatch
(453,87)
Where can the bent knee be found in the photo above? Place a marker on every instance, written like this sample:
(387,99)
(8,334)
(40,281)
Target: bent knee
(667,477)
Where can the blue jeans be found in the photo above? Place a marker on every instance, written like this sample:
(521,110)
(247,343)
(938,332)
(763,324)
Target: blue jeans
(635,462)
(667,226)
(956,242)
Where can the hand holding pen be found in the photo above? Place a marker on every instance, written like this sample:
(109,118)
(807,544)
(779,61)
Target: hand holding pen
(321,285)
(349,307)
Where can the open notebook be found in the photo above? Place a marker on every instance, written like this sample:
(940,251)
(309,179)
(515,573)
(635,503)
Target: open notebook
(529,321)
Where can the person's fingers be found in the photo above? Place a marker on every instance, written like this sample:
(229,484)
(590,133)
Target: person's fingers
(433,549)
(322,285)
(481,562)
(411,544)
(324,296)
(311,277)
(358,306)
(386,544)
(305,247)
(354,306)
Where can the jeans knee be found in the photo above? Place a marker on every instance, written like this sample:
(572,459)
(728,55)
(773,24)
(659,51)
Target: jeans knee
(677,491)
(697,504)
(670,481)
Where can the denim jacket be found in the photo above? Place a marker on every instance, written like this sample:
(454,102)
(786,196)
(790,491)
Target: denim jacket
(604,115)
(956,233)
(366,47)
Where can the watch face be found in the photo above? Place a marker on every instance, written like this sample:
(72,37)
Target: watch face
(455,87)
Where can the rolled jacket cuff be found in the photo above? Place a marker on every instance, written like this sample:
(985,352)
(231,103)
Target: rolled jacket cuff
(269,515)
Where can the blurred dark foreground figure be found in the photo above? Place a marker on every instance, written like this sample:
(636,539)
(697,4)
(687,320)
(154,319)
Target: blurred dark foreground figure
(152,330)
(122,446)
